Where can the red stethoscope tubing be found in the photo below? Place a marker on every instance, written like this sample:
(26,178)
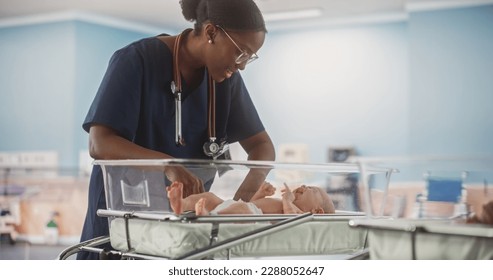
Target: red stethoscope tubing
(176,89)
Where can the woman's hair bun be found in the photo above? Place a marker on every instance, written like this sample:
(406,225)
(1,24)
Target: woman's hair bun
(239,15)
(189,9)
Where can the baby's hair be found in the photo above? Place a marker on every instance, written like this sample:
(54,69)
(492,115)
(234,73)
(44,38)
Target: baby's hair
(235,15)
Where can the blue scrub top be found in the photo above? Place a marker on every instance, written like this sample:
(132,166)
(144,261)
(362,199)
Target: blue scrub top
(136,101)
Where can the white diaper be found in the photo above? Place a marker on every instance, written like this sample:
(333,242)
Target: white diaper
(255,210)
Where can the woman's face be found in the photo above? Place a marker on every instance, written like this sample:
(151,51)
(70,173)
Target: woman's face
(231,51)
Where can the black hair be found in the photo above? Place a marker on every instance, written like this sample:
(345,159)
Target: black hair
(235,15)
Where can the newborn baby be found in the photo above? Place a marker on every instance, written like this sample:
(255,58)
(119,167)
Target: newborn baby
(301,200)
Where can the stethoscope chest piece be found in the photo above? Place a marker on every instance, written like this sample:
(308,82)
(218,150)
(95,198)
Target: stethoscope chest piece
(215,150)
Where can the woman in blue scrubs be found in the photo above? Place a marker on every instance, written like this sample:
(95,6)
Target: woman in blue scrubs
(133,113)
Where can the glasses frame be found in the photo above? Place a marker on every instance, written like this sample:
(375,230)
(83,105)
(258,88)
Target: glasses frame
(244,56)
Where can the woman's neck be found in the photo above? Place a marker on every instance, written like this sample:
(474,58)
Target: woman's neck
(191,61)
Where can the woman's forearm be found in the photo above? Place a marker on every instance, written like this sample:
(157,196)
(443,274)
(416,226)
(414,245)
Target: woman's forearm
(104,143)
(258,147)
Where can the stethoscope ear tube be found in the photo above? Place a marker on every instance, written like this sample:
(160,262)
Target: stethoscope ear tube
(211,112)
(211,148)
(176,90)
(178,134)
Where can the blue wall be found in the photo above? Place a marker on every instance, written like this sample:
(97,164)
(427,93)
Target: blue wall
(451,60)
(94,45)
(49,74)
(37,66)
(421,86)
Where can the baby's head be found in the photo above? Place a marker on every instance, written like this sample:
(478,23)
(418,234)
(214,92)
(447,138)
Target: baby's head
(313,199)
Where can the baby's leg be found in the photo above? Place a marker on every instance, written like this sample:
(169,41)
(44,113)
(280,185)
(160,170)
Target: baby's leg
(200,209)
(175,194)
(180,204)
(266,189)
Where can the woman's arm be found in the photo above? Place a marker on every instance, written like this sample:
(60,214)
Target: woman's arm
(105,143)
(258,147)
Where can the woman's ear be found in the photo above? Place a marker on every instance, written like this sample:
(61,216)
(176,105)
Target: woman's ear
(318,210)
(210,33)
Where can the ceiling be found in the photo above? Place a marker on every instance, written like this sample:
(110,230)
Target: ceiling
(167,13)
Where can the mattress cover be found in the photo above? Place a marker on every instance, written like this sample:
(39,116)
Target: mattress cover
(428,240)
(172,240)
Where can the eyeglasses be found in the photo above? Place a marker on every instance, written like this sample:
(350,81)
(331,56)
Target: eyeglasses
(244,56)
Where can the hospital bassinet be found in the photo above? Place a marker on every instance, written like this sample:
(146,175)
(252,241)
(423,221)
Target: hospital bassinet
(425,239)
(142,225)
(422,213)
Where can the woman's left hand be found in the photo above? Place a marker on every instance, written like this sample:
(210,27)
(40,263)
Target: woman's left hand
(191,183)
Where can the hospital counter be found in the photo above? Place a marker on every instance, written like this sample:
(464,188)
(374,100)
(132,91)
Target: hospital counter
(401,199)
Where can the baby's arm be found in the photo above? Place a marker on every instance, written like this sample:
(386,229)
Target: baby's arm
(266,189)
(287,202)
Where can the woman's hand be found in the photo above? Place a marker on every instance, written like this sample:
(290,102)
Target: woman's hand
(258,147)
(191,184)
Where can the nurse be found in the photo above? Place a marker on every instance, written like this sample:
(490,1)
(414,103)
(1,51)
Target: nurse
(153,101)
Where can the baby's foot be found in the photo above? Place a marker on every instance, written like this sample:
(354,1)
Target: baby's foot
(200,209)
(266,189)
(175,194)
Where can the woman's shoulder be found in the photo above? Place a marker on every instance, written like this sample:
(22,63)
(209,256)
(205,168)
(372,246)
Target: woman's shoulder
(146,47)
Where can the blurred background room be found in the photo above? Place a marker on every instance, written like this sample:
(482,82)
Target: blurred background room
(375,78)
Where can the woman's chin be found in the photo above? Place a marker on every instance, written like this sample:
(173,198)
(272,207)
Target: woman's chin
(220,77)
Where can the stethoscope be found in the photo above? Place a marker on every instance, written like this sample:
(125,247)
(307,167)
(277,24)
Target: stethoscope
(211,148)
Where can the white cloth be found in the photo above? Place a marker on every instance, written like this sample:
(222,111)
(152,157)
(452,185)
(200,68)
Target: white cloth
(225,204)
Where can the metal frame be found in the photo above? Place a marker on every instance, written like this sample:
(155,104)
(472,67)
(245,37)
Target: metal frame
(282,222)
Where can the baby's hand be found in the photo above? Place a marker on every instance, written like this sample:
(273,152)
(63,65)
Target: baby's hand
(287,194)
(267,189)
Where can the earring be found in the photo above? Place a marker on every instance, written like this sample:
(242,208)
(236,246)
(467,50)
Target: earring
(210,41)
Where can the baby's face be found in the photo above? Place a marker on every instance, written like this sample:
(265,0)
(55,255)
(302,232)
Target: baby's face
(307,198)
